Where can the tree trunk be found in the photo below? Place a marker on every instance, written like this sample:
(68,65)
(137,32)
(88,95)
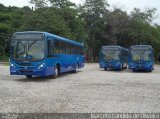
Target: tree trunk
(92,47)
(3,51)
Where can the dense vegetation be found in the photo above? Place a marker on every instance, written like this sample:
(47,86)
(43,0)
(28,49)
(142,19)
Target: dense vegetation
(91,23)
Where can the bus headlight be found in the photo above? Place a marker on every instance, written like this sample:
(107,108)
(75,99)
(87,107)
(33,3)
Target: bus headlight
(12,65)
(41,66)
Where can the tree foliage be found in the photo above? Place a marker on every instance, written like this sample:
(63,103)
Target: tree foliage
(93,13)
(91,23)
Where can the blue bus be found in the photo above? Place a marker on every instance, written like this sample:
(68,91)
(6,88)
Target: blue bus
(43,54)
(141,58)
(115,57)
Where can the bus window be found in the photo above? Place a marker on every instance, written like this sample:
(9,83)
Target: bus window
(76,50)
(68,48)
(73,50)
(57,47)
(50,48)
(82,51)
(62,48)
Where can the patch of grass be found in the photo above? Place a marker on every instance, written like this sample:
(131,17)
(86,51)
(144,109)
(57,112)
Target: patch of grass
(4,59)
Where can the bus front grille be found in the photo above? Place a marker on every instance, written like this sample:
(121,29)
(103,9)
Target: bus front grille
(24,64)
(26,71)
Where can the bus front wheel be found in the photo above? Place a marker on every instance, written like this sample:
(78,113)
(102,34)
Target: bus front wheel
(29,76)
(121,66)
(75,68)
(55,72)
(150,70)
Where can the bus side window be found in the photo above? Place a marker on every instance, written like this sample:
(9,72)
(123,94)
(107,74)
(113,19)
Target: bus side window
(75,50)
(61,44)
(57,47)
(50,44)
(79,50)
(68,48)
(62,47)
(72,49)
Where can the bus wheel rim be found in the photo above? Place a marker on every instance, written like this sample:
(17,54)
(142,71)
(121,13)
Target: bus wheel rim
(56,71)
(76,67)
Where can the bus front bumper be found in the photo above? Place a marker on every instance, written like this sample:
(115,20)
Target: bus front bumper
(134,66)
(115,65)
(28,72)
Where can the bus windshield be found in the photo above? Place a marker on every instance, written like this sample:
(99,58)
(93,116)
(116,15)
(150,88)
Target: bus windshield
(28,50)
(139,55)
(111,54)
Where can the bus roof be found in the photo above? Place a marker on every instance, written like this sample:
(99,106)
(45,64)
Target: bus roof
(149,46)
(54,36)
(114,46)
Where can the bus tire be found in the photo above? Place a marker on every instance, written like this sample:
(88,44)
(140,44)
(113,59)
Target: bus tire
(126,66)
(75,68)
(55,72)
(121,67)
(150,70)
(28,76)
(105,69)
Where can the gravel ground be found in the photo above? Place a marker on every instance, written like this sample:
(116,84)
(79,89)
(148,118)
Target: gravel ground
(90,90)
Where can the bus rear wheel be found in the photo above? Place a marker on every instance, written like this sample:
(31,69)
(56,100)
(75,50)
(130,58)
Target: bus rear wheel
(29,76)
(75,68)
(121,67)
(55,72)
(134,70)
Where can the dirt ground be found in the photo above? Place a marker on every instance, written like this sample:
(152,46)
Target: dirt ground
(89,90)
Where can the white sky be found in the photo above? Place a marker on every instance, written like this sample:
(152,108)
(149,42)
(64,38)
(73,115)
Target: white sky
(126,5)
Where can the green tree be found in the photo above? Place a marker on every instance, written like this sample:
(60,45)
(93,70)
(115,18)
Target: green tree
(117,27)
(139,23)
(93,13)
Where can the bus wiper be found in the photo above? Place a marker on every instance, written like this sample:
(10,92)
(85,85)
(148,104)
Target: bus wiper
(28,57)
(32,43)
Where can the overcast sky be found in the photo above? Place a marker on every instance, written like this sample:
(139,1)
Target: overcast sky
(126,5)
